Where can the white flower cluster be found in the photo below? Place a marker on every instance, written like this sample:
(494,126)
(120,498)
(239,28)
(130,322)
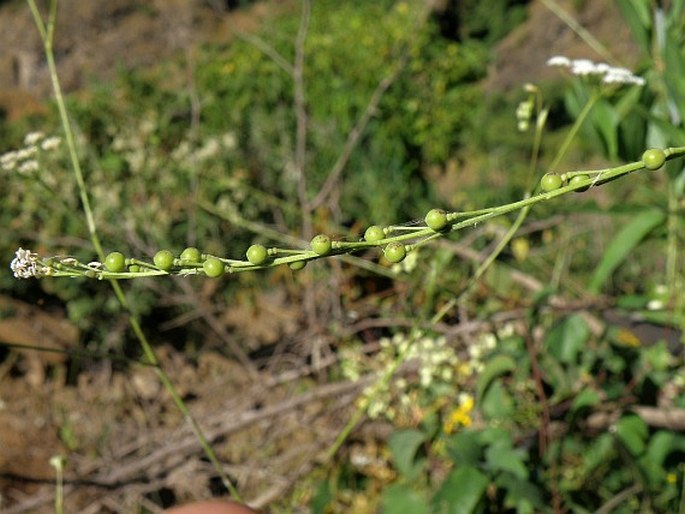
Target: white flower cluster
(607,73)
(438,360)
(26,265)
(480,349)
(24,160)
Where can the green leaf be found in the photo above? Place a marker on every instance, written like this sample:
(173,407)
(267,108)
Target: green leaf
(321,499)
(497,402)
(623,243)
(632,432)
(605,119)
(495,367)
(638,18)
(399,499)
(461,492)
(566,341)
(404,445)
(522,495)
(586,398)
(499,457)
(599,452)
(465,448)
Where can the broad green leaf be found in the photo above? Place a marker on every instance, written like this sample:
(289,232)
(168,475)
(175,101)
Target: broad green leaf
(465,448)
(461,491)
(598,452)
(586,398)
(495,435)
(522,495)
(495,367)
(632,432)
(497,402)
(623,243)
(321,499)
(556,375)
(567,340)
(502,458)
(399,499)
(404,445)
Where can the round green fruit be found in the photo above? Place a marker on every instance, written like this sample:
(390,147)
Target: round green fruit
(436,219)
(297,265)
(256,254)
(115,262)
(577,180)
(213,267)
(191,255)
(164,260)
(550,182)
(321,244)
(395,252)
(374,233)
(654,158)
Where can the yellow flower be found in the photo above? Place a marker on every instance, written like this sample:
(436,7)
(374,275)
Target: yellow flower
(461,415)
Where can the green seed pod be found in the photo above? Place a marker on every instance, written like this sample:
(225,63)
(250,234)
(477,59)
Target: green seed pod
(395,252)
(191,255)
(297,265)
(436,219)
(550,182)
(134,268)
(256,254)
(321,244)
(115,262)
(654,158)
(374,233)
(213,267)
(578,179)
(164,260)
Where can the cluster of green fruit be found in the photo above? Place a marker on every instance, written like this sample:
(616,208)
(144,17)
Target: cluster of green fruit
(653,159)
(396,241)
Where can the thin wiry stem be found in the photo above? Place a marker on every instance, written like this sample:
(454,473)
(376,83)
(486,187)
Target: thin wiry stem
(47,35)
(301,117)
(576,27)
(371,110)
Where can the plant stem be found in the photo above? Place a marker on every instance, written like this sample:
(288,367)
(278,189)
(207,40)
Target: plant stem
(47,36)
(574,130)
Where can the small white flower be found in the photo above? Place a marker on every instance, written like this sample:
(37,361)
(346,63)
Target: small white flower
(8,161)
(28,167)
(229,140)
(51,143)
(559,60)
(27,152)
(25,264)
(608,74)
(33,137)
(655,305)
(583,67)
(622,76)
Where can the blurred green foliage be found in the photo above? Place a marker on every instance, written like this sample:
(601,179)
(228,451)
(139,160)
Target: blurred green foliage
(154,163)
(151,162)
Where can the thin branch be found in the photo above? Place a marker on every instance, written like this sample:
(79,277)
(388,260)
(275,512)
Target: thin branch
(301,119)
(267,50)
(355,134)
